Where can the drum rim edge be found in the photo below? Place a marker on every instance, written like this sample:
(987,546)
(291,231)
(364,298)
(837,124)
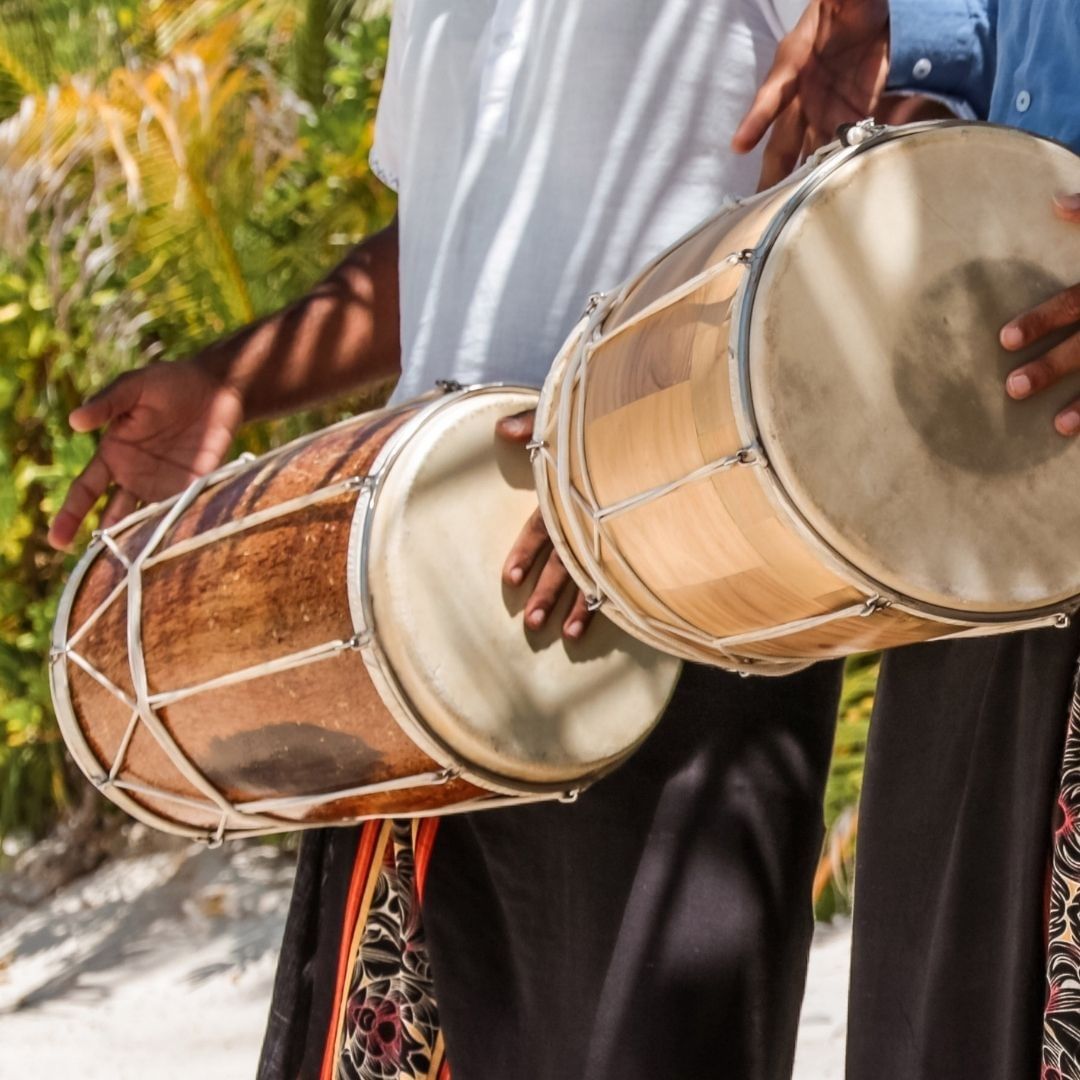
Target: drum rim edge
(380,669)
(746,417)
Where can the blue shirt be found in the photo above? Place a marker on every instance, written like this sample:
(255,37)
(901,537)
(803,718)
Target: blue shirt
(1016,61)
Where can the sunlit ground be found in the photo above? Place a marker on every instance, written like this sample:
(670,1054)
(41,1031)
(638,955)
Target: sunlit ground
(160,968)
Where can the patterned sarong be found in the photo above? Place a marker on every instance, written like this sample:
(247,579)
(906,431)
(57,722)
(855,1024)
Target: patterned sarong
(387,1022)
(1061,1024)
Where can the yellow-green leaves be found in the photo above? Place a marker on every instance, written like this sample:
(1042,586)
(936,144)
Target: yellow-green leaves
(162,180)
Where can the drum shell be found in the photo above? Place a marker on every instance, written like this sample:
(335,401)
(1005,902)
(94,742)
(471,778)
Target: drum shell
(725,556)
(241,601)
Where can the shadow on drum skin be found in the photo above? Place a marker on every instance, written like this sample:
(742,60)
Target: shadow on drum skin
(514,464)
(550,634)
(962,413)
(593,645)
(515,596)
(290,759)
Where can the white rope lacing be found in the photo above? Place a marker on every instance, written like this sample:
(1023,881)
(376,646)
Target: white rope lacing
(594,547)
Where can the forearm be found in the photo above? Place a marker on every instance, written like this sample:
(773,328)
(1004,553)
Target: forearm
(343,334)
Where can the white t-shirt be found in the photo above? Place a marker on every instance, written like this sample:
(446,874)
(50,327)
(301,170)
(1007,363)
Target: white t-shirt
(545,149)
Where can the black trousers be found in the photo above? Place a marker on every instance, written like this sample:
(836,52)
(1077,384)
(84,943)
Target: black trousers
(658,929)
(948,970)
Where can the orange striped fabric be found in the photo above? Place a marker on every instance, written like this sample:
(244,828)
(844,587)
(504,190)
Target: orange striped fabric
(385,1019)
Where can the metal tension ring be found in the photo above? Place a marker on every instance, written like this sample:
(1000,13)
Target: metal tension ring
(594,301)
(858,133)
(873,605)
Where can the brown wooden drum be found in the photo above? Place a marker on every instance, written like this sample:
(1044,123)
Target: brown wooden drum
(320,636)
(788,437)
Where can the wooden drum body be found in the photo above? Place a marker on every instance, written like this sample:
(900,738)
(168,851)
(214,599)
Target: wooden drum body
(320,636)
(788,437)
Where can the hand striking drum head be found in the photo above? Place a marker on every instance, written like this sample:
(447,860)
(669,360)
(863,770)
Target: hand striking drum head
(877,378)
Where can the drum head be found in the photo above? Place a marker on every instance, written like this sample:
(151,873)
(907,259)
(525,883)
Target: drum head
(877,380)
(530,706)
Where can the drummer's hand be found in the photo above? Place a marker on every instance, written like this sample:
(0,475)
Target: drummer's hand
(830,70)
(164,425)
(1057,313)
(532,545)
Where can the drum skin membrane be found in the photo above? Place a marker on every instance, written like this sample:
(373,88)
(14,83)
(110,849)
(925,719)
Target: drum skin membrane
(877,378)
(531,706)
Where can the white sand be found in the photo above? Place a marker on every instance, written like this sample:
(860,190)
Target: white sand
(153,968)
(819,1054)
(160,967)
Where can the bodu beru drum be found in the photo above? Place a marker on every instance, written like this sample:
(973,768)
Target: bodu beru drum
(320,636)
(788,437)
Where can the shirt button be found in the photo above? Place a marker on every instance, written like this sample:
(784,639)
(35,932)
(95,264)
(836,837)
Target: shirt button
(1023,101)
(922,68)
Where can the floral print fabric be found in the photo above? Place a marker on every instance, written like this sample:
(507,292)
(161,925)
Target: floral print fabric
(390,1026)
(1061,1023)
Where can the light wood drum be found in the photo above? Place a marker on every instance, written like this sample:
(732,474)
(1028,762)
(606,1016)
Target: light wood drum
(320,636)
(788,437)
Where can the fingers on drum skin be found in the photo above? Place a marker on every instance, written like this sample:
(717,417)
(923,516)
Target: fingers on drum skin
(104,407)
(1067,422)
(1056,313)
(1049,369)
(1067,207)
(517,428)
(531,542)
(85,490)
(577,622)
(546,592)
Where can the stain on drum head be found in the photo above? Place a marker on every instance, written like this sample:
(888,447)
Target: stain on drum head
(878,381)
(949,369)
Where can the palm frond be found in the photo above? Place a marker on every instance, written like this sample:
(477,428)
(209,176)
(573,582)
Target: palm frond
(23,74)
(42,41)
(312,51)
(162,162)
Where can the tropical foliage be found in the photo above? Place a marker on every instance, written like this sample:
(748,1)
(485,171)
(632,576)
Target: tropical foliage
(168,171)
(835,876)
